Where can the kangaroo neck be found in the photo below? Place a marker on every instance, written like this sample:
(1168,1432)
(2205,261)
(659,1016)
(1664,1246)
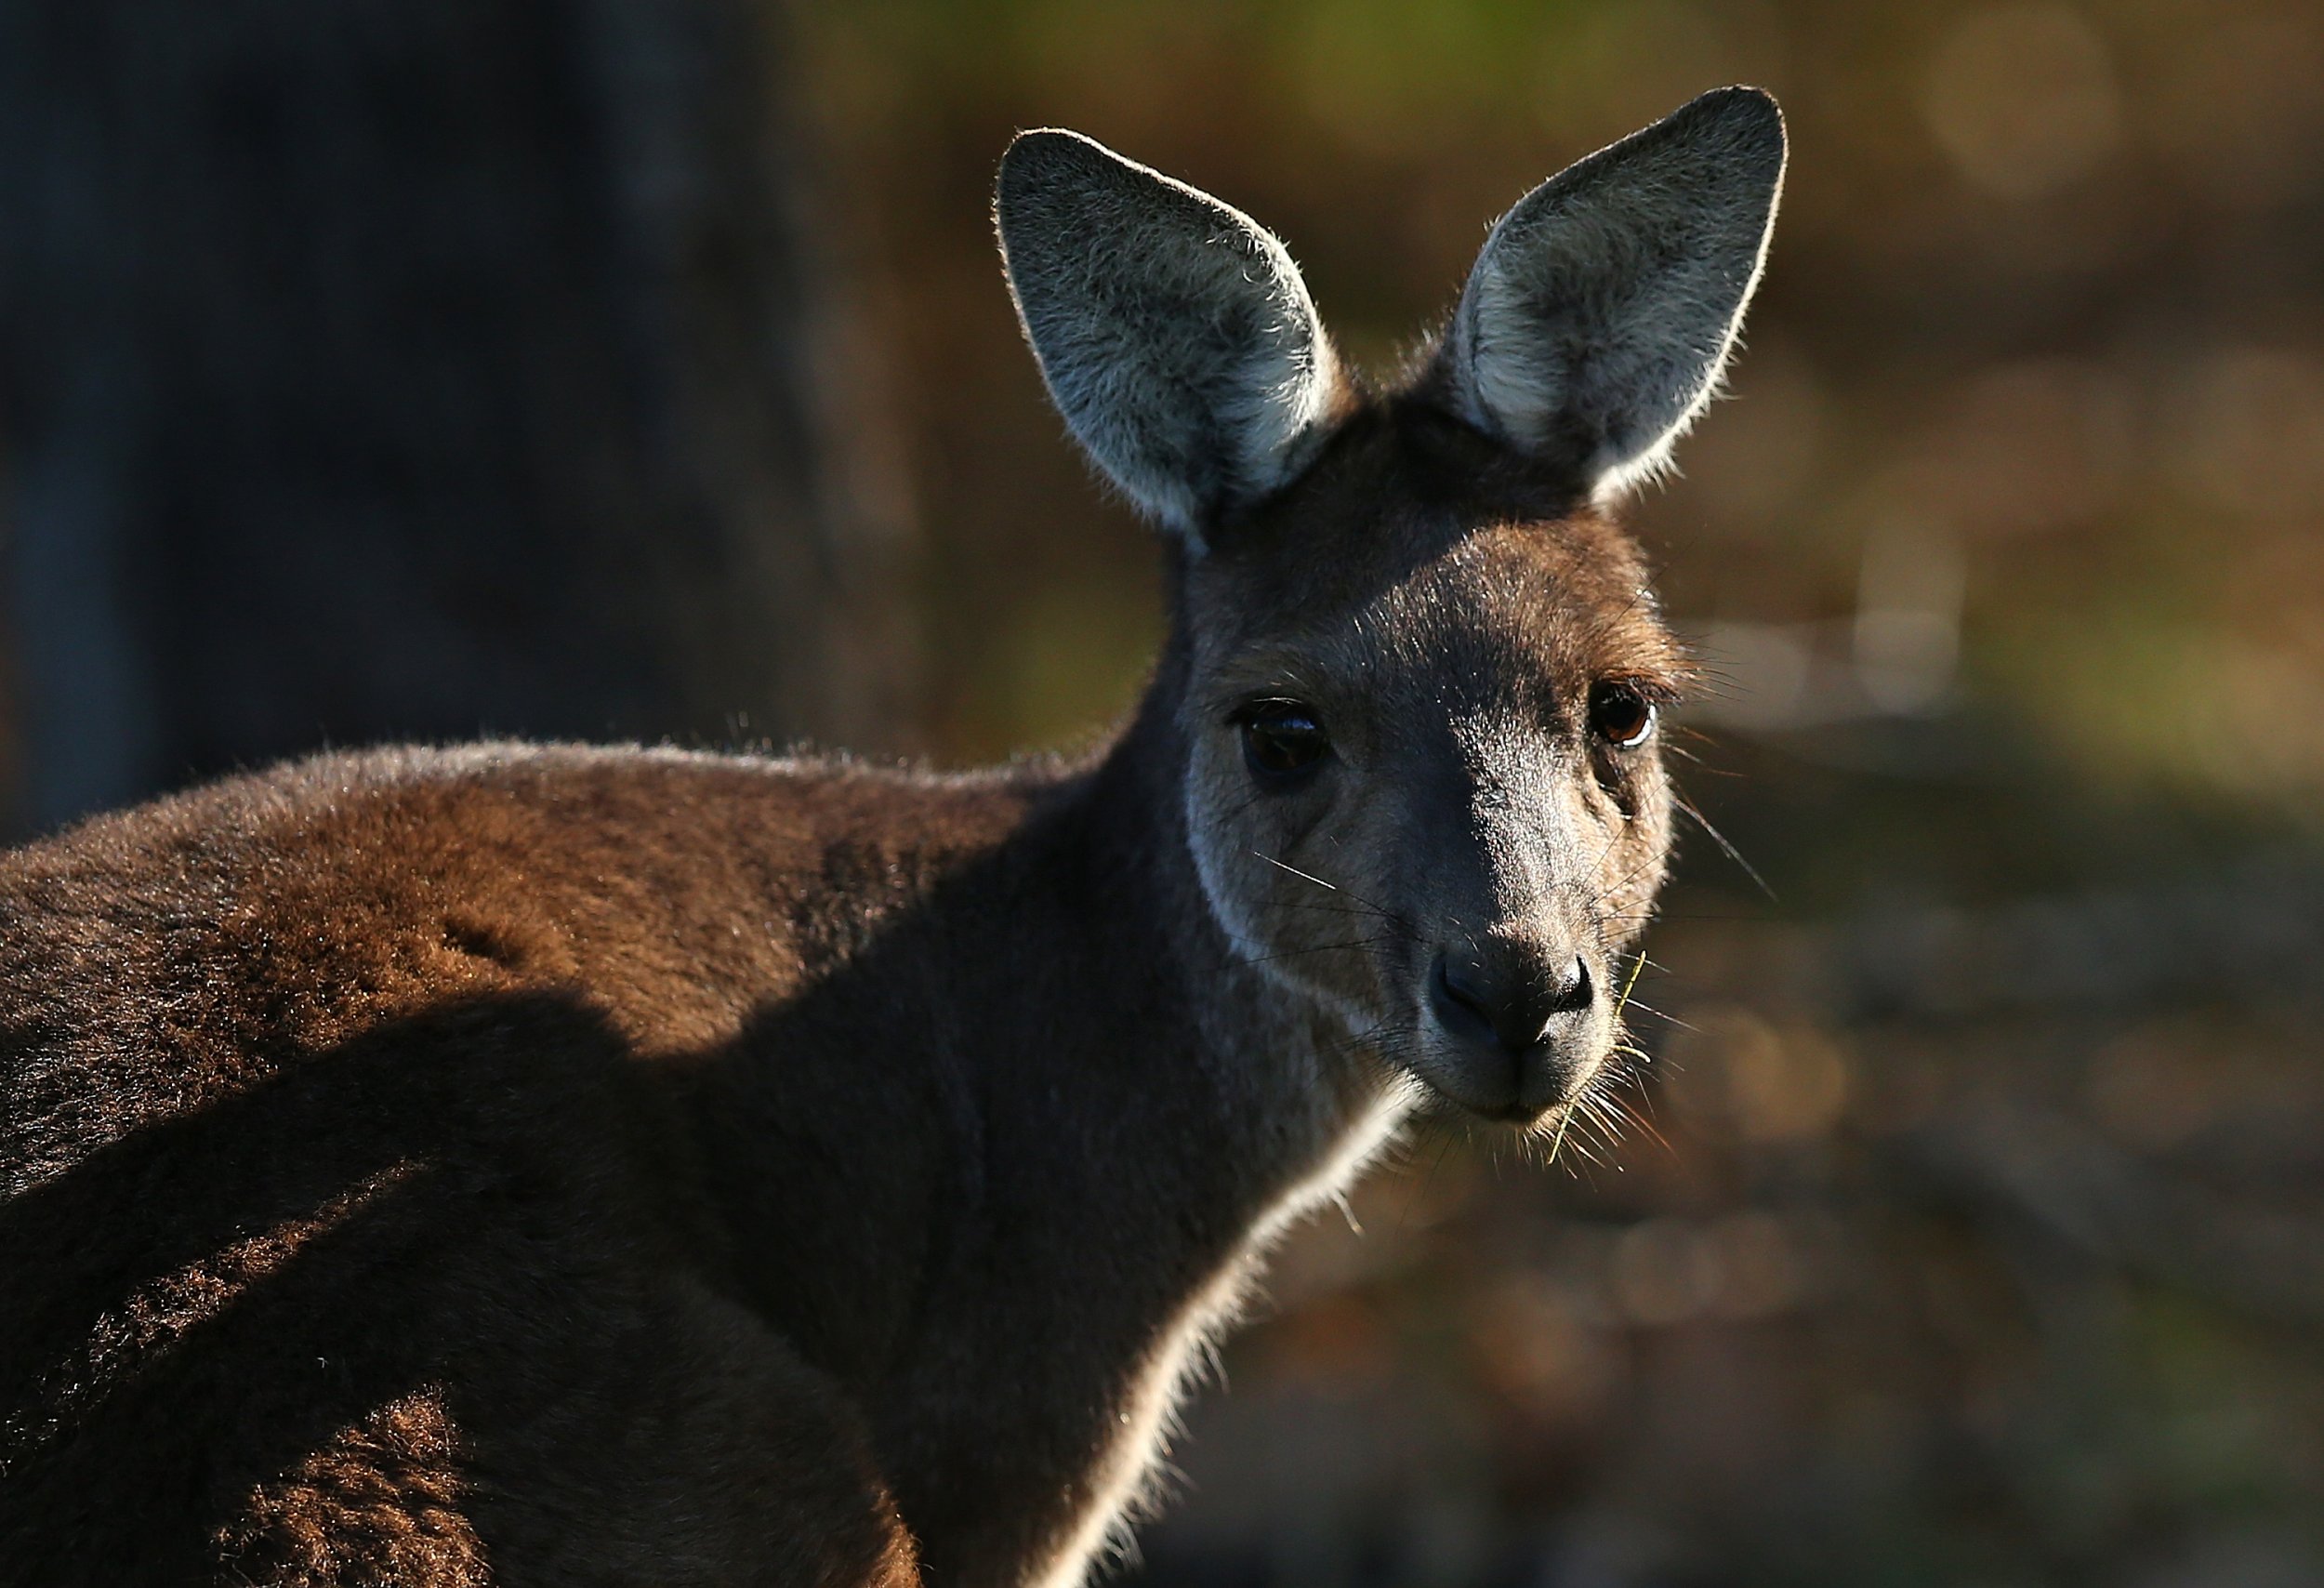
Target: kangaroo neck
(1133,1124)
(1241,1080)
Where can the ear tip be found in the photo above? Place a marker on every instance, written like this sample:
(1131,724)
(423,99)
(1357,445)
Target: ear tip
(1037,143)
(1741,99)
(1048,153)
(1746,115)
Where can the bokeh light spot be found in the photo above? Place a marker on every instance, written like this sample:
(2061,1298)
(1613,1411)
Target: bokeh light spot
(2023,99)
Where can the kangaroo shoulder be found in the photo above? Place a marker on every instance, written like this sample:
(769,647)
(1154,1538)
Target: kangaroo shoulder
(158,958)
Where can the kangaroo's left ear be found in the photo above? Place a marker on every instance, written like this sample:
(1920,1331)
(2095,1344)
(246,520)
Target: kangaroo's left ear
(1175,333)
(1596,322)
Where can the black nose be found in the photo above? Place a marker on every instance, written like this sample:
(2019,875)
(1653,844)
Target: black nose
(1507,998)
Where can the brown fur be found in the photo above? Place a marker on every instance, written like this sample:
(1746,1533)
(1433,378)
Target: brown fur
(555,1165)
(605,1119)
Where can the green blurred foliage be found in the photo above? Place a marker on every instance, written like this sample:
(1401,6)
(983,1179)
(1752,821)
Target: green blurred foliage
(1973,1231)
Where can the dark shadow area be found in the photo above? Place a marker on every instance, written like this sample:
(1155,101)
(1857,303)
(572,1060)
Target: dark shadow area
(479,1199)
(473,1274)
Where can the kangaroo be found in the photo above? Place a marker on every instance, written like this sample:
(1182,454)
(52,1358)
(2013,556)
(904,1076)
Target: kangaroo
(545,1164)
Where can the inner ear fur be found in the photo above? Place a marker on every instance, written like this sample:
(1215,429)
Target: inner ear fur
(1175,334)
(1601,312)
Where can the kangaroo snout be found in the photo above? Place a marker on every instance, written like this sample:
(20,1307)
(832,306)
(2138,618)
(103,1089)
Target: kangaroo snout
(1518,1019)
(1508,999)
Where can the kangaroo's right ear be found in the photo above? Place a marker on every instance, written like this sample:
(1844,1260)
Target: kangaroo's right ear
(1176,335)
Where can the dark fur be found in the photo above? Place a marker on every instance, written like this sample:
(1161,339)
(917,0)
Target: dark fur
(553,1165)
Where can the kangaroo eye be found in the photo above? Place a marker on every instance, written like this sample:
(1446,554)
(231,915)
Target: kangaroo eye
(1282,740)
(1621,716)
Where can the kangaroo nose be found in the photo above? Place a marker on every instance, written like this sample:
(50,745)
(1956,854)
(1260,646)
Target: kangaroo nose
(1509,998)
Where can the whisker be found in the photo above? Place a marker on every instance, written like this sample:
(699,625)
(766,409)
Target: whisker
(1661,856)
(1325,909)
(1309,948)
(1645,1124)
(1650,1009)
(1623,1002)
(1303,876)
(1329,887)
(1732,853)
(1565,1118)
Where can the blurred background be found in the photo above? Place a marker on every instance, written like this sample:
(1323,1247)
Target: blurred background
(642,368)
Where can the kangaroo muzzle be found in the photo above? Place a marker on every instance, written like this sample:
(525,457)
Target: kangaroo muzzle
(1519,1021)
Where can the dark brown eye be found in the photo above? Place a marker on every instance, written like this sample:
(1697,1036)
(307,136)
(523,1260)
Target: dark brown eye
(1621,716)
(1283,742)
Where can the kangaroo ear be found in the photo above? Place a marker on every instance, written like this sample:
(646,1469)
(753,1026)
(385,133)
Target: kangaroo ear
(1596,322)
(1175,334)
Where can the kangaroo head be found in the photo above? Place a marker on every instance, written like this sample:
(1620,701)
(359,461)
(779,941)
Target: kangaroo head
(1416,668)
